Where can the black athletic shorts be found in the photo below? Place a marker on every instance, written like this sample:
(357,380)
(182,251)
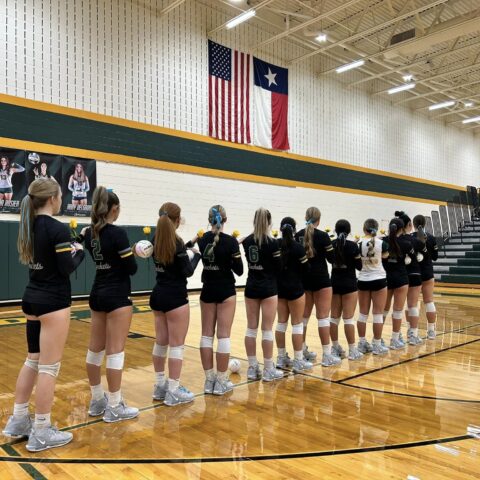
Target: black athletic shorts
(315,283)
(164,299)
(260,293)
(217,293)
(39,309)
(289,293)
(372,285)
(427,274)
(108,304)
(345,287)
(414,280)
(396,281)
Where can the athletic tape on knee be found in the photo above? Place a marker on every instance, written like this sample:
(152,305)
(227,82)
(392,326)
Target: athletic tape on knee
(430,307)
(33,364)
(362,318)
(115,361)
(267,335)
(251,332)
(176,352)
(335,321)
(413,312)
(297,329)
(377,318)
(349,321)
(282,327)
(52,370)
(206,342)
(95,358)
(323,322)
(159,350)
(397,314)
(223,345)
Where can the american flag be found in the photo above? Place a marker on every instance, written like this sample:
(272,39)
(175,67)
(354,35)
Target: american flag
(228,94)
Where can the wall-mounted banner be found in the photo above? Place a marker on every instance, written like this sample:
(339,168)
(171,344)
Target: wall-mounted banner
(78,183)
(13,184)
(43,165)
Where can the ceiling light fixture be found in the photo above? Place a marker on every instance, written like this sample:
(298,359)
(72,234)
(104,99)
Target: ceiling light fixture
(240,18)
(446,104)
(350,66)
(468,104)
(407,77)
(471,120)
(401,88)
(321,38)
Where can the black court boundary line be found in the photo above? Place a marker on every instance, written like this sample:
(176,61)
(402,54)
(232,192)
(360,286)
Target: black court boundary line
(27,467)
(281,456)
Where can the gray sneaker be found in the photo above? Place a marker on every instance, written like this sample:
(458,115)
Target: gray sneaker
(309,356)
(415,341)
(301,365)
(254,373)
(119,412)
(284,361)
(379,349)
(270,374)
(208,386)
(400,338)
(97,407)
(364,347)
(431,334)
(354,354)
(18,427)
(338,351)
(49,437)
(222,387)
(178,396)
(396,344)
(409,333)
(159,391)
(329,359)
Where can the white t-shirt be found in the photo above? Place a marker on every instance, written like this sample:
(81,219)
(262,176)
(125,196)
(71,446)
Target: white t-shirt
(372,267)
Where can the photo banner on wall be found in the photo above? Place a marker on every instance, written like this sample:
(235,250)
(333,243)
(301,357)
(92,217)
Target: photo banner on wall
(13,182)
(79,180)
(43,165)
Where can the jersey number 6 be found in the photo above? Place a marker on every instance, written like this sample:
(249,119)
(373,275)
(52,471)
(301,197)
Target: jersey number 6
(253,254)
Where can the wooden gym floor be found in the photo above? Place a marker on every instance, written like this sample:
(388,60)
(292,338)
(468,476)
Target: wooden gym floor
(400,415)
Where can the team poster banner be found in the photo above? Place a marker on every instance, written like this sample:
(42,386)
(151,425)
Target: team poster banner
(13,183)
(43,165)
(79,179)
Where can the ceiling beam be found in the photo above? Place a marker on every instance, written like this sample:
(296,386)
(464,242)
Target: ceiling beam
(170,7)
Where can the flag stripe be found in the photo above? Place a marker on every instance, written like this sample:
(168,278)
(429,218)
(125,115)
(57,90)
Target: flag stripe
(247,102)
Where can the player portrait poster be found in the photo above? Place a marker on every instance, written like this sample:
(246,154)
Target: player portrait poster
(13,182)
(43,165)
(79,179)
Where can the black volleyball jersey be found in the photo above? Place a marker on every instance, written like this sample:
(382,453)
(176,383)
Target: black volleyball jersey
(413,268)
(175,274)
(352,261)
(294,267)
(220,261)
(114,261)
(263,261)
(323,251)
(53,262)
(396,264)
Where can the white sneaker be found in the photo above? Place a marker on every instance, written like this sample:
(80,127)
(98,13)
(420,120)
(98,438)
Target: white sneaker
(396,344)
(49,437)
(415,341)
(270,374)
(379,349)
(354,354)
(222,387)
(364,347)
(308,355)
(329,359)
(208,386)
(178,396)
(18,427)
(284,361)
(338,351)
(119,412)
(301,365)
(431,334)
(254,373)
(97,407)
(159,391)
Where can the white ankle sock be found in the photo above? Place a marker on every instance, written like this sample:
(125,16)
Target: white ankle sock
(114,398)
(42,420)
(327,349)
(173,384)
(298,355)
(282,352)
(431,327)
(222,376)
(20,409)
(97,392)
(159,378)
(268,363)
(362,339)
(415,332)
(377,342)
(395,335)
(252,361)
(210,374)
(335,343)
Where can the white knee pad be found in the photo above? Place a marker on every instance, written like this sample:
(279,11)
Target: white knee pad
(305,321)
(30,363)
(335,321)
(430,307)
(397,314)
(349,321)
(362,318)
(206,342)
(115,361)
(53,370)
(95,358)
(176,352)
(413,312)
(282,327)
(267,335)
(223,345)
(297,329)
(159,350)
(251,332)
(377,318)
(323,322)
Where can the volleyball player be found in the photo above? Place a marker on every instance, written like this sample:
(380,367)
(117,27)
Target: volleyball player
(7,170)
(291,297)
(44,245)
(430,254)
(169,303)
(344,289)
(264,262)
(110,305)
(372,288)
(221,259)
(79,185)
(318,288)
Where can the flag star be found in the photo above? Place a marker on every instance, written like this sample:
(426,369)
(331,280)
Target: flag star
(271,77)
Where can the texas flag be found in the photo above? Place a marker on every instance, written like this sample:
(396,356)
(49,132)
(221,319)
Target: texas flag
(270,96)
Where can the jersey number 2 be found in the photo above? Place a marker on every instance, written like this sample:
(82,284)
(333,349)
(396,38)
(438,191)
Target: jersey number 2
(97,255)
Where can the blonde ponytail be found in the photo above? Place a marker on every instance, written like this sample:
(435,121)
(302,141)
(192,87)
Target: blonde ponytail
(166,233)
(312,216)
(217,216)
(261,225)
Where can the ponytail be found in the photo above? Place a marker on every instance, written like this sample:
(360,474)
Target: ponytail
(166,233)
(312,216)
(287,227)
(39,192)
(217,216)
(419,222)
(371,227)
(102,202)
(342,229)
(261,225)
(396,225)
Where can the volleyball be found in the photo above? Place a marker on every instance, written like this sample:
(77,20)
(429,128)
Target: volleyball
(234,365)
(144,249)
(419,257)
(408,260)
(190,255)
(34,158)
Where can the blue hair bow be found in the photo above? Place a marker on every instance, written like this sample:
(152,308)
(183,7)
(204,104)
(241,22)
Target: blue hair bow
(217,217)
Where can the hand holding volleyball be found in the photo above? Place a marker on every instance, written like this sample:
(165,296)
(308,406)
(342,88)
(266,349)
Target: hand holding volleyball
(143,249)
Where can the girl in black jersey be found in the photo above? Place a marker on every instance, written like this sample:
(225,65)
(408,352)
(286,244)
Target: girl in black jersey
(169,302)
(291,297)
(344,286)
(263,258)
(318,288)
(221,258)
(110,305)
(44,244)
(430,255)
(399,250)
